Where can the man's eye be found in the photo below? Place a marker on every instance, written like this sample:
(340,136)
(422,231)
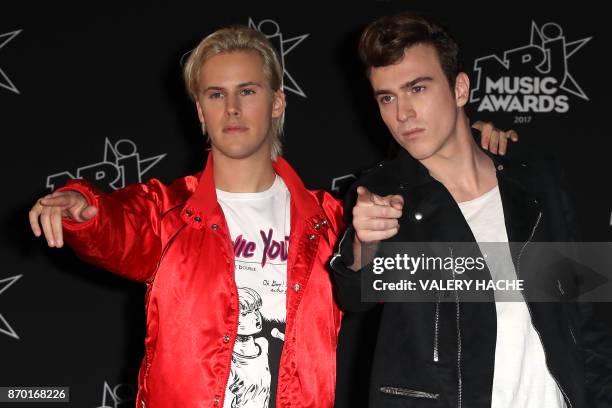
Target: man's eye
(215,95)
(385,99)
(418,88)
(247,91)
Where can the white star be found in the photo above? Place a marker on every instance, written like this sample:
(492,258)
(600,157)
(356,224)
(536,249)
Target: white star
(5,82)
(4,326)
(271,30)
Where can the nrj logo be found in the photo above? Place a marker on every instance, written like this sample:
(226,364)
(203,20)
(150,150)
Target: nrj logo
(119,396)
(271,30)
(122,165)
(531,78)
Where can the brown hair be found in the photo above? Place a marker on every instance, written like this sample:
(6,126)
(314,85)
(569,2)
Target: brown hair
(233,39)
(384,41)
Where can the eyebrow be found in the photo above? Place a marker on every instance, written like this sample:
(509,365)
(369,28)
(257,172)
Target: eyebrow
(408,84)
(241,85)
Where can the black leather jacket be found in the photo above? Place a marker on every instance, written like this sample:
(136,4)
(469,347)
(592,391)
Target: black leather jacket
(442,354)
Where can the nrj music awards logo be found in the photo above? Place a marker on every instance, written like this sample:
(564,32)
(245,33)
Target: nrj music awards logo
(121,165)
(273,33)
(531,78)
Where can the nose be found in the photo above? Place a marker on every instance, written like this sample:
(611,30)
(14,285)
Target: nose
(405,109)
(232,106)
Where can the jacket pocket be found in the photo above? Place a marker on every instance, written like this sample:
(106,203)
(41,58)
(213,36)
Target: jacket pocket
(406,392)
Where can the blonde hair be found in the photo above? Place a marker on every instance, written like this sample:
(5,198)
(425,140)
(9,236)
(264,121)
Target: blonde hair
(233,39)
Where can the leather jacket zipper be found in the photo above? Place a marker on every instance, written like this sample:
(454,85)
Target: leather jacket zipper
(406,392)
(458,321)
(436,328)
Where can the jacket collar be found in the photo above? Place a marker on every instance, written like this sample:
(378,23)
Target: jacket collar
(521,209)
(203,209)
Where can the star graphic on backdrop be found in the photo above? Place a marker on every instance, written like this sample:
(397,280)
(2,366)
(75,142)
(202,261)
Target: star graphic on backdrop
(538,38)
(5,82)
(4,326)
(271,30)
(111,155)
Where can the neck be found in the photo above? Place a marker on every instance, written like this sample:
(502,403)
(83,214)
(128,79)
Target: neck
(248,175)
(465,170)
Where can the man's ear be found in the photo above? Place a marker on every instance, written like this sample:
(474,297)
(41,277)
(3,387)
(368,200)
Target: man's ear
(278,104)
(200,111)
(201,116)
(462,89)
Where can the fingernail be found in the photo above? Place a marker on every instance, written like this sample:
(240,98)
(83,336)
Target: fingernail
(60,243)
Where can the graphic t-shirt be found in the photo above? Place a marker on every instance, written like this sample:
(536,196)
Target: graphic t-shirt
(259,225)
(520,376)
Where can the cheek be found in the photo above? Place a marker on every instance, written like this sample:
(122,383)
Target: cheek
(440,112)
(260,108)
(211,110)
(388,116)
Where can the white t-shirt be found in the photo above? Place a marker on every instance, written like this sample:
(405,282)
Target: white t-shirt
(259,225)
(521,378)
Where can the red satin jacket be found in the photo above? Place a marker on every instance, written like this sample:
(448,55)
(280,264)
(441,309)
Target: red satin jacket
(175,240)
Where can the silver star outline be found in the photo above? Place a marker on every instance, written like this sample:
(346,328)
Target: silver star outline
(287,45)
(5,81)
(5,327)
(569,84)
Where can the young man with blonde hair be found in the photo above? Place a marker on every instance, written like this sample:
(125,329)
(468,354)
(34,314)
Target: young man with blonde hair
(246,221)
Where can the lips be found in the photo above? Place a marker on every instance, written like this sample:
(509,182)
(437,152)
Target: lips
(411,133)
(234,128)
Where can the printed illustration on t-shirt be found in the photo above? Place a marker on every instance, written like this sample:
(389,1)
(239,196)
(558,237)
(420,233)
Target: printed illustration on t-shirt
(250,379)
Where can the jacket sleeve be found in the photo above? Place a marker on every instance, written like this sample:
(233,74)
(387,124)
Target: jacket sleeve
(124,237)
(347,282)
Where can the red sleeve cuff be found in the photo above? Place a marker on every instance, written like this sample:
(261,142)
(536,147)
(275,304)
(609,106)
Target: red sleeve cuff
(90,193)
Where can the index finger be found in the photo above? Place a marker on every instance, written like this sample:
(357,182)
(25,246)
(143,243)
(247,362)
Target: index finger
(33,217)
(59,201)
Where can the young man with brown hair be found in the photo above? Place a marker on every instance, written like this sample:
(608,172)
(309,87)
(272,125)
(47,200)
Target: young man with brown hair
(443,188)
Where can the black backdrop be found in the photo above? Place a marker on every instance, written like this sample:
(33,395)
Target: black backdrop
(94,90)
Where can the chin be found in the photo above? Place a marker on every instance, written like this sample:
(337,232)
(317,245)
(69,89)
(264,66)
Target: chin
(237,152)
(240,151)
(418,151)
